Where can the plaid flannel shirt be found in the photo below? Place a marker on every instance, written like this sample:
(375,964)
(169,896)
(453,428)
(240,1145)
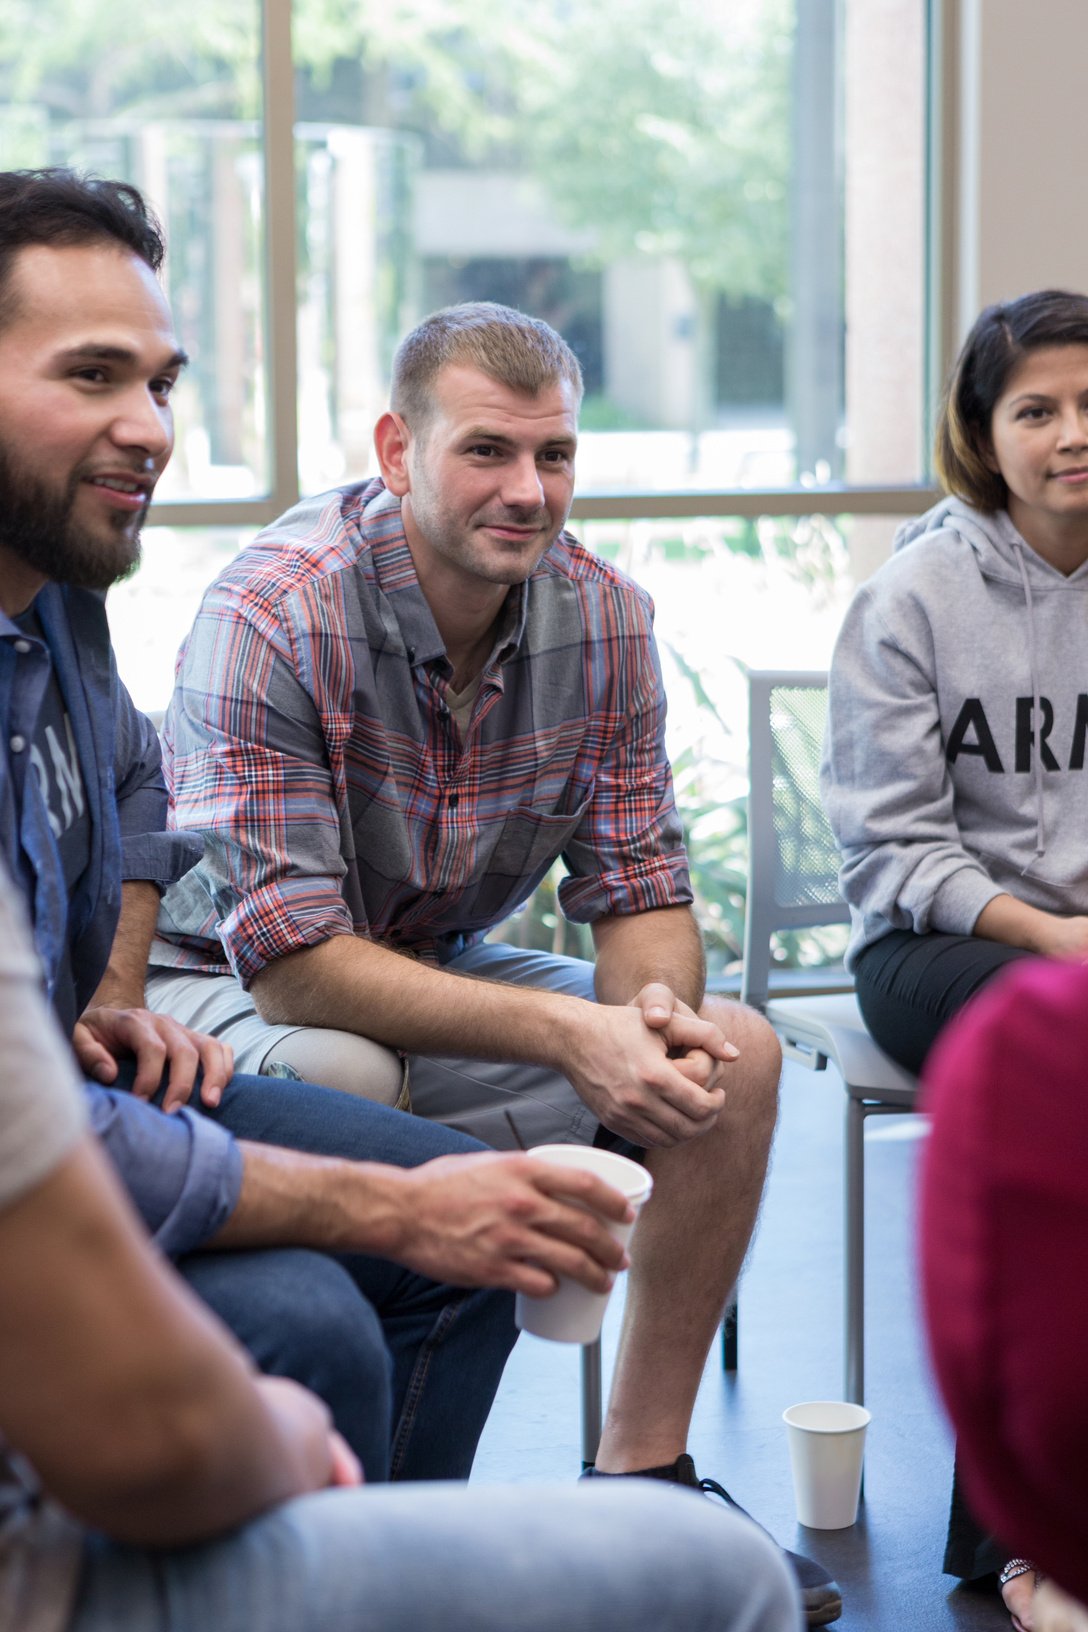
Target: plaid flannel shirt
(311,743)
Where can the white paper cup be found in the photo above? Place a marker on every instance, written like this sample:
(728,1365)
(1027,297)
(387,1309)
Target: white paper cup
(827,1443)
(573,1314)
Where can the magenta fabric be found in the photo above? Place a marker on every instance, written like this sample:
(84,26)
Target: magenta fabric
(1004,1247)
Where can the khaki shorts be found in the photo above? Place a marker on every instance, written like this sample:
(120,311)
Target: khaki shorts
(217,1005)
(478,1097)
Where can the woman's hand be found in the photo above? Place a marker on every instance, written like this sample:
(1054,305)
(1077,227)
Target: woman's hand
(1067,938)
(1014,923)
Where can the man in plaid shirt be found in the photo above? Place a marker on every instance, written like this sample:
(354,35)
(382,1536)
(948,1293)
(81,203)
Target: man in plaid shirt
(396,709)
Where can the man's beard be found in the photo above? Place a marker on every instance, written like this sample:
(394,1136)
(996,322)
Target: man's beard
(37,526)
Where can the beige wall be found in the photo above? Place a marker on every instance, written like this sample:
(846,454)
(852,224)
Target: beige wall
(1023,222)
(1019,184)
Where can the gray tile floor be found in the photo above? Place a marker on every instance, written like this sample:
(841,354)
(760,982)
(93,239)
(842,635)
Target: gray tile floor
(888,1564)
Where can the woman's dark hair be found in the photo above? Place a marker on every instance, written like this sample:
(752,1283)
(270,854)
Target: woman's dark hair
(62,208)
(1000,338)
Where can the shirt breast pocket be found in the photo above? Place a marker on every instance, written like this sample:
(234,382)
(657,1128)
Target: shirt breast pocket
(528,843)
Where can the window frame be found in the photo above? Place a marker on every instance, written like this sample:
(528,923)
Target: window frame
(281,257)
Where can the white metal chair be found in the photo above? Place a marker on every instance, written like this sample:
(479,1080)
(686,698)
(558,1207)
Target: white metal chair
(793,884)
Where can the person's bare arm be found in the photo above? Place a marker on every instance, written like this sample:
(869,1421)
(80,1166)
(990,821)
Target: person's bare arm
(353,984)
(1014,923)
(618,1066)
(509,1221)
(117,1022)
(122,985)
(137,1410)
(662,947)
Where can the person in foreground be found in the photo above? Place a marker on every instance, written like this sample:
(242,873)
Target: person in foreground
(1004,1244)
(395,711)
(338,1270)
(150,1481)
(954,774)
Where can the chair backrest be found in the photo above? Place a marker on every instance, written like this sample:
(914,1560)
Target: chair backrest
(793,862)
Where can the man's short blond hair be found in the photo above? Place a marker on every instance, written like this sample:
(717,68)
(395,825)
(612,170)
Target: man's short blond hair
(521,352)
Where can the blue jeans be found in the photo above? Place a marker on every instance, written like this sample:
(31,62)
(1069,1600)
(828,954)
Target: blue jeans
(620,1556)
(408,1367)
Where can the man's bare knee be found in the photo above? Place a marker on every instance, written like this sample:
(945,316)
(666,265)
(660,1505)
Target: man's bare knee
(760,1061)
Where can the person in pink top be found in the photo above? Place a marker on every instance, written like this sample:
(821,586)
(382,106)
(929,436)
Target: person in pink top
(1004,1251)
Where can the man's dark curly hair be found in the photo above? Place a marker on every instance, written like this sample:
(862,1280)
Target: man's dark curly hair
(62,208)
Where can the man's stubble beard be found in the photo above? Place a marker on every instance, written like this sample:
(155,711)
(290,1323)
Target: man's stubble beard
(37,525)
(457,542)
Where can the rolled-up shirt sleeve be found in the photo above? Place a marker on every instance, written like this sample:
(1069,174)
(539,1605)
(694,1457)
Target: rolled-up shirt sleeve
(182,1172)
(251,771)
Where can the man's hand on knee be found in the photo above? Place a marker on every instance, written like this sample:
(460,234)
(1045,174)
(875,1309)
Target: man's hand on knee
(621,1066)
(698,1047)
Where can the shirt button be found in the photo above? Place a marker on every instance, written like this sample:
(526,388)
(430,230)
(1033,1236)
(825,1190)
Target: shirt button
(22,647)
(454,800)
(17,743)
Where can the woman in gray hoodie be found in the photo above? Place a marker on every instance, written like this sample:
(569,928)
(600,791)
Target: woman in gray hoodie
(955,765)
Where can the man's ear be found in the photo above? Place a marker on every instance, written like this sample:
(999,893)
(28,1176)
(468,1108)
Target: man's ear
(392,440)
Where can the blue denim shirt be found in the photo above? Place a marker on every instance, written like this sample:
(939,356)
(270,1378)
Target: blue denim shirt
(122,773)
(183,1172)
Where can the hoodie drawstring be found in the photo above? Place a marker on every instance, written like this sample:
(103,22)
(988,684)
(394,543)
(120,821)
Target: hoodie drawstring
(1036,712)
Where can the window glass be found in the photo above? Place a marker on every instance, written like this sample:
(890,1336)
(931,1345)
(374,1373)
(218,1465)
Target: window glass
(718,202)
(730,594)
(151,612)
(175,109)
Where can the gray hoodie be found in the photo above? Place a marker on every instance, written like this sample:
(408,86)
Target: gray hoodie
(937,793)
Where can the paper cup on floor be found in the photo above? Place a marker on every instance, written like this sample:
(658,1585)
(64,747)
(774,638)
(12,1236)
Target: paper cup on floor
(827,1442)
(573,1314)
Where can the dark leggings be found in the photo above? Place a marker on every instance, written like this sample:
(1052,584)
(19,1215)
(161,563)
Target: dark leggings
(909,986)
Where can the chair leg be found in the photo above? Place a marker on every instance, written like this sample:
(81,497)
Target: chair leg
(854,1250)
(730,1336)
(591,1401)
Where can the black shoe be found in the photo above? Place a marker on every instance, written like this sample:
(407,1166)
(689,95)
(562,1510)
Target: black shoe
(820,1595)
